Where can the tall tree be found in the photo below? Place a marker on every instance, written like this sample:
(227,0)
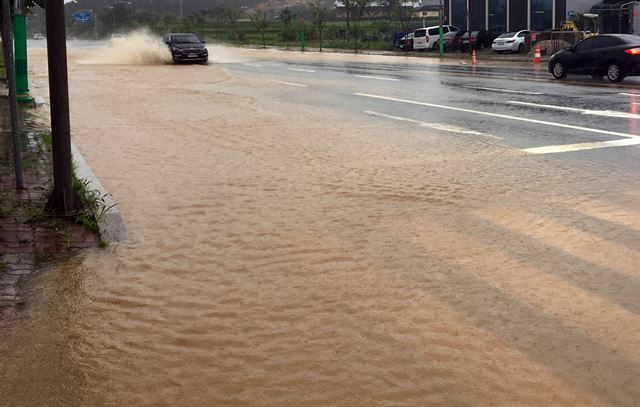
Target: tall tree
(401,13)
(286,16)
(319,14)
(261,23)
(231,17)
(348,8)
(357,10)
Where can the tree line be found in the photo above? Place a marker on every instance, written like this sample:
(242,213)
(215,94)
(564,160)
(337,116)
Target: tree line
(236,20)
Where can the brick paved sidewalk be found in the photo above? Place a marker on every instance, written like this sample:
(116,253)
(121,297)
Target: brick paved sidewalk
(28,239)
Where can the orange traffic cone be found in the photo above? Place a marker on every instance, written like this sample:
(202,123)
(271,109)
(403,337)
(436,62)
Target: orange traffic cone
(473,57)
(536,57)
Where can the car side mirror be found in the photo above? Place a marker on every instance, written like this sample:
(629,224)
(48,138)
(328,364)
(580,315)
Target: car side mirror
(204,42)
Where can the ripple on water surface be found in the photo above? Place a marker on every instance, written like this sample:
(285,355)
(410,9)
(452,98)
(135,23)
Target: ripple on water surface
(305,258)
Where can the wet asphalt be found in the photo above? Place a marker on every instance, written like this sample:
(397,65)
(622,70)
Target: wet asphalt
(520,104)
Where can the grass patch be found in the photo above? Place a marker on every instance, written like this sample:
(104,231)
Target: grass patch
(41,257)
(7,205)
(94,205)
(46,137)
(63,231)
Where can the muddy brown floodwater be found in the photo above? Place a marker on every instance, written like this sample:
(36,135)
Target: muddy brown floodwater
(285,256)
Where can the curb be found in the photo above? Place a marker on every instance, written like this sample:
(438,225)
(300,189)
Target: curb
(112,227)
(523,59)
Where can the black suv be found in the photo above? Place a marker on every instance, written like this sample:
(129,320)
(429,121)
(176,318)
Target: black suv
(186,47)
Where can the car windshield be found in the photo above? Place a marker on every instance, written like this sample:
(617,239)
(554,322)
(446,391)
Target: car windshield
(506,35)
(185,39)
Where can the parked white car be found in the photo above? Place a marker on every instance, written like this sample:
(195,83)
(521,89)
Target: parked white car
(510,42)
(427,37)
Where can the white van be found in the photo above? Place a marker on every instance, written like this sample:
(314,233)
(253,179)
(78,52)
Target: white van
(427,37)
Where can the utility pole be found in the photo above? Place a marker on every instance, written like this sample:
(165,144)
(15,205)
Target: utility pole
(7,37)
(61,202)
(469,25)
(440,31)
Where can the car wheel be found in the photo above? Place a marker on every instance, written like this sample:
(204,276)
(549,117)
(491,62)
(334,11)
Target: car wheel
(558,70)
(520,48)
(614,72)
(436,46)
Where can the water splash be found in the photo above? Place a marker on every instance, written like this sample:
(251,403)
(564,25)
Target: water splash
(135,48)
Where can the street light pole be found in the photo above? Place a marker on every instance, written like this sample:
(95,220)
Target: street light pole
(469,25)
(113,9)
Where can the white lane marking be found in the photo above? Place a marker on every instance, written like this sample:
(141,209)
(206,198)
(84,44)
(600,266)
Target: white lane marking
(606,113)
(435,126)
(291,84)
(629,94)
(521,92)
(301,70)
(380,78)
(501,116)
(256,65)
(582,146)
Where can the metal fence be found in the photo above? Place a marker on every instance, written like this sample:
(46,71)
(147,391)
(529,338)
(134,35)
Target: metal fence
(553,41)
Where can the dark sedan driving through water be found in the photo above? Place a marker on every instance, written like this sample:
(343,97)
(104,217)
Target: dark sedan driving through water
(186,47)
(613,55)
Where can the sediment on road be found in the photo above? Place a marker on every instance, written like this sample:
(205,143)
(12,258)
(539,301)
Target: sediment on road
(28,239)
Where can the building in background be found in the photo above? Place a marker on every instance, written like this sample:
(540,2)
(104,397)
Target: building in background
(575,7)
(505,15)
(616,16)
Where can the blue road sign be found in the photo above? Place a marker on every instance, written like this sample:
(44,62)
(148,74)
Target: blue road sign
(82,16)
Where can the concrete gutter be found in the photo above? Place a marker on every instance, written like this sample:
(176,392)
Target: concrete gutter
(112,228)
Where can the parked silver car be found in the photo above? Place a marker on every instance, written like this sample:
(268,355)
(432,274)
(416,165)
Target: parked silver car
(510,42)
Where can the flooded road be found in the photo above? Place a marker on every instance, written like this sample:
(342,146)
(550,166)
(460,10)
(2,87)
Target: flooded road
(293,243)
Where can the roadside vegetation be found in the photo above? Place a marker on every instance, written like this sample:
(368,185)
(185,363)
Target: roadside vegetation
(362,24)
(37,160)
(93,206)
(359,25)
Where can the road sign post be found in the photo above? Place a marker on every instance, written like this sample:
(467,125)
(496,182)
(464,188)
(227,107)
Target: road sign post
(87,16)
